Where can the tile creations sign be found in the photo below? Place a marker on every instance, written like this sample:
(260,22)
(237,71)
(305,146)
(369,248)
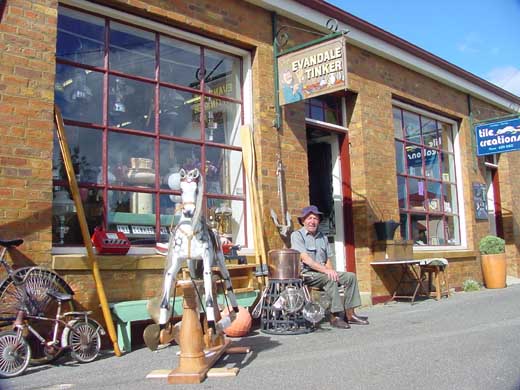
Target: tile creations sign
(312,71)
(498,137)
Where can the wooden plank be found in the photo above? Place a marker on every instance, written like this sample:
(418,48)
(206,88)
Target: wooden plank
(223,371)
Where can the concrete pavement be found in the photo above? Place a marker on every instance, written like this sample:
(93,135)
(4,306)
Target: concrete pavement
(469,341)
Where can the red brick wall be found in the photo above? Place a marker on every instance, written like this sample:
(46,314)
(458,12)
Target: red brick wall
(27,45)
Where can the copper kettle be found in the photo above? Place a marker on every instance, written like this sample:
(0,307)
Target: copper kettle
(284,264)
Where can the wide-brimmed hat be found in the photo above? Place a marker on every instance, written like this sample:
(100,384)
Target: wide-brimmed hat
(309,210)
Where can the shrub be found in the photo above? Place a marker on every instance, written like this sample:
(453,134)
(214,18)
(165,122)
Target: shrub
(470,285)
(492,245)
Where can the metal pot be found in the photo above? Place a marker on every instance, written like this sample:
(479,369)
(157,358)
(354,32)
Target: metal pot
(284,264)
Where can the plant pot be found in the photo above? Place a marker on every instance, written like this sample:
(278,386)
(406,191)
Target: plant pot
(385,230)
(494,269)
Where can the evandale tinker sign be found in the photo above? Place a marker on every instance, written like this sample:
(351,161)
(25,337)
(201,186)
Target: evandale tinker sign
(313,71)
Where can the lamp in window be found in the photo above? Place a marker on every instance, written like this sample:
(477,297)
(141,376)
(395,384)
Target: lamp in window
(118,91)
(62,206)
(211,126)
(78,92)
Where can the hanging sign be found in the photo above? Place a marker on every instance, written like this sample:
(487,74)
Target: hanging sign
(312,71)
(498,137)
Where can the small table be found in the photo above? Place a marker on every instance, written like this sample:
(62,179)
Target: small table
(409,275)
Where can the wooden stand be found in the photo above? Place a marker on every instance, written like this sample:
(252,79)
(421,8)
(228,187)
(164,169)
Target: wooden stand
(194,360)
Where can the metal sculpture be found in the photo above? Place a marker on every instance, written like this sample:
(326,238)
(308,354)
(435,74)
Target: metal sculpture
(193,240)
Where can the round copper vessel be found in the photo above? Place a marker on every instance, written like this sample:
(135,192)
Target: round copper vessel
(284,264)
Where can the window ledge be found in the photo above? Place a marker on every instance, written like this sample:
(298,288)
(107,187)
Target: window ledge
(80,262)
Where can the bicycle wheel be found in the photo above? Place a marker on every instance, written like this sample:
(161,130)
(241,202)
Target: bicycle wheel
(37,282)
(15,354)
(84,341)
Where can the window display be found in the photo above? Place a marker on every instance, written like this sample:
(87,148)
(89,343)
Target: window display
(426,181)
(160,104)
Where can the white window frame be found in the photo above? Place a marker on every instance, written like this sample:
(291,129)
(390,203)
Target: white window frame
(458,174)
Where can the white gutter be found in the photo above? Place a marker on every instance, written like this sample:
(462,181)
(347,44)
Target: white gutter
(307,16)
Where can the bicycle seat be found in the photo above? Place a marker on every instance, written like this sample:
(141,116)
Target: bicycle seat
(59,296)
(10,243)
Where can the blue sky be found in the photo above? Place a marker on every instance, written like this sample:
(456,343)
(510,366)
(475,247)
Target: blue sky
(482,37)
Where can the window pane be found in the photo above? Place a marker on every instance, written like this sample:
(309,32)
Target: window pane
(412,127)
(434,197)
(450,198)
(436,231)
(431,163)
(66,230)
(80,37)
(453,230)
(179,113)
(447,137)
(399,156)
(130,160)
(131,104)
(222,76)
(168,214)
(174,156)
(417,197)
(134,214)
(414,157)
(418,229)
(398,123)
(403,227)
(429,132)
(448,167)
(79,94)
(224,171)
(317,113)
(180,63)
(132,50)
(85,150)
(222,121)
(228,217)
(401,190)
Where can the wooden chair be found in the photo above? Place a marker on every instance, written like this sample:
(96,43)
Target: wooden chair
(435,271)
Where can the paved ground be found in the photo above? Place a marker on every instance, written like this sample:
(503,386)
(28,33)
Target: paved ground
(469,341)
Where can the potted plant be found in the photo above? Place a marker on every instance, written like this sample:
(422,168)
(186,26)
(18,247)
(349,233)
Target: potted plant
(493,260)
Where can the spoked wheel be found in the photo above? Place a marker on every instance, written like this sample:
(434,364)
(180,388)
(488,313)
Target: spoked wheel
(85,341)
(35,300)
(15,354)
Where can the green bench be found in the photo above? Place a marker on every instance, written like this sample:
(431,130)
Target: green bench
(130,311)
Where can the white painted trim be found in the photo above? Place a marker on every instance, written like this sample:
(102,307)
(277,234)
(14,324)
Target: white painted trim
(326,125)
(458,174)
(317,20)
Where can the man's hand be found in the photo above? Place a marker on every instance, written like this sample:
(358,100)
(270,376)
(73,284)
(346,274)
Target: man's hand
(331,274)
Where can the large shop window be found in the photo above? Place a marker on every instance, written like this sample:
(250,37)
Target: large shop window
(426,179)
(138,106)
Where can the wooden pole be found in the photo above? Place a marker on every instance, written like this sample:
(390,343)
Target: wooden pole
(249,157)
(67,160)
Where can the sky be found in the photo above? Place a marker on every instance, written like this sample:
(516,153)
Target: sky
(482,37)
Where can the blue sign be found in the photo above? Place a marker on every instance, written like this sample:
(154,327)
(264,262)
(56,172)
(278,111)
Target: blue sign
(498,137)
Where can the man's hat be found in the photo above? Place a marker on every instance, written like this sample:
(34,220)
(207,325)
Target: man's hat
(309,210)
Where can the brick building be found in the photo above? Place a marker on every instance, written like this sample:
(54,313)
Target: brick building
(148,87)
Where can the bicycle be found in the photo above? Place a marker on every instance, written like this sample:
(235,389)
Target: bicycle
(36,281)
(80,335)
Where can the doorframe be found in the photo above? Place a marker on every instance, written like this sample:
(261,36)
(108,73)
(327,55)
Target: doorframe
(343,158)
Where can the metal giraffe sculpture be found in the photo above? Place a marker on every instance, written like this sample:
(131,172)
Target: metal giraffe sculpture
(194,240)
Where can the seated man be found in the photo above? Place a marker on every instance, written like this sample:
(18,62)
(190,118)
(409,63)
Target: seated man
(318,271)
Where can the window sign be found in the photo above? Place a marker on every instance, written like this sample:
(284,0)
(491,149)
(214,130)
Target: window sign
(313,71)
(498,137)
(480,201)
